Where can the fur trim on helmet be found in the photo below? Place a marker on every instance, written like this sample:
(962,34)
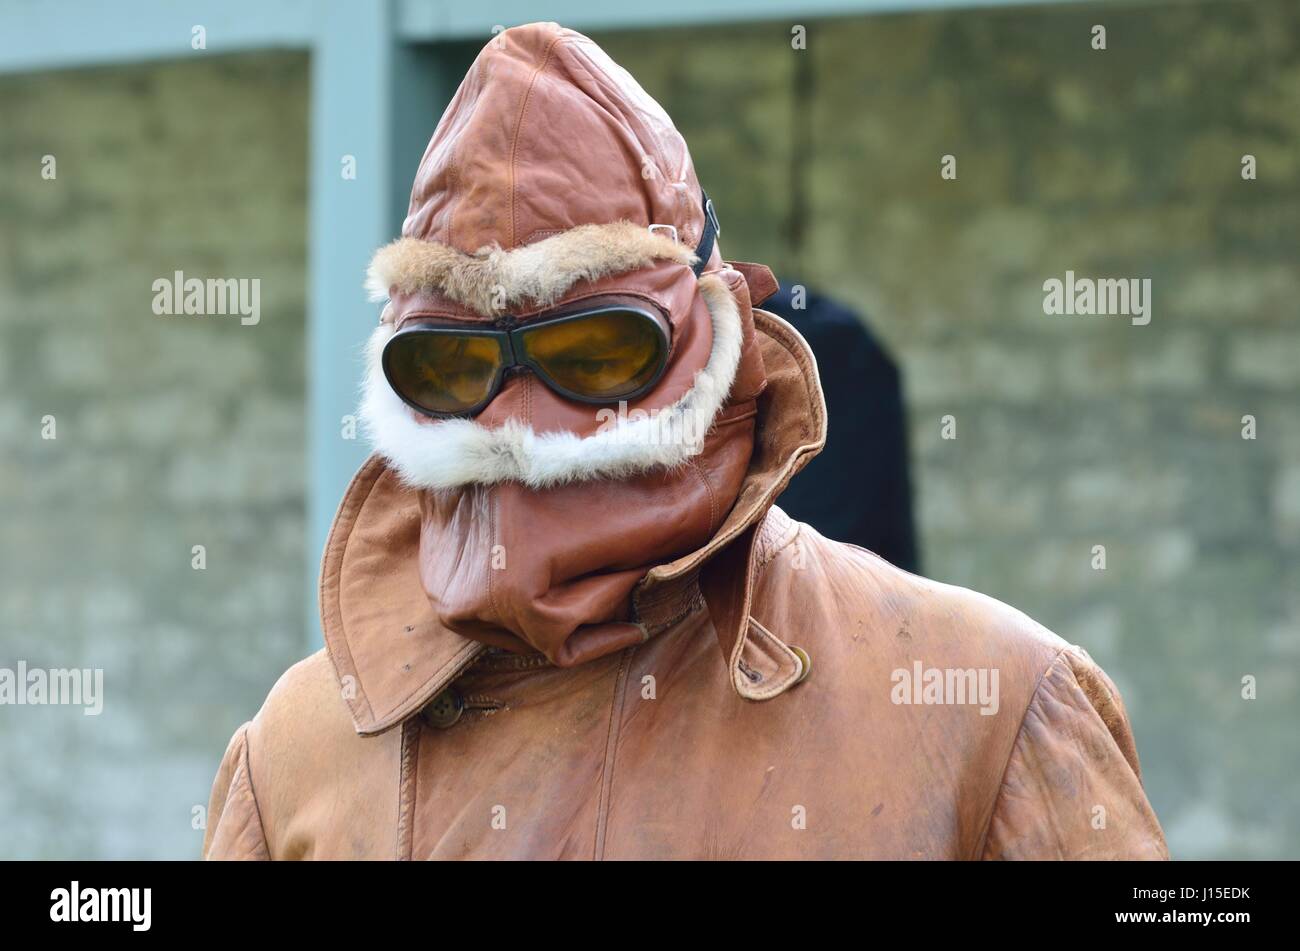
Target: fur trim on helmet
(493,279)
(447,453)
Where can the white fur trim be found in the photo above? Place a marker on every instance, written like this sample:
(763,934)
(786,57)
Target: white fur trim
(443,454)
(493,279)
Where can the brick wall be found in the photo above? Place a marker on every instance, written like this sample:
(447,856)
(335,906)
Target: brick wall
(170,432)
(1071,431)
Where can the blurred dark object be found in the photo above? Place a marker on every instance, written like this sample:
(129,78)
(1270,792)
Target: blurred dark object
(857,490)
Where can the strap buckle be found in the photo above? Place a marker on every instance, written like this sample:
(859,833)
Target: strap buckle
(708,238)
(712,215)
(711,231)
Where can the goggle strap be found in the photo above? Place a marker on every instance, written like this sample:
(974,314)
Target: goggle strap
(704,250)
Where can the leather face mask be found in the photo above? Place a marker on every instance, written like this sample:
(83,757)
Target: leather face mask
(553,569)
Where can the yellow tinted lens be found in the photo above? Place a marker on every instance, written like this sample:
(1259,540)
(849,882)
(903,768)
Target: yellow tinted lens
(605,356)
(443,373)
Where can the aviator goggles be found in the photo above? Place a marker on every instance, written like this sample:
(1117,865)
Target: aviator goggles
(600,354)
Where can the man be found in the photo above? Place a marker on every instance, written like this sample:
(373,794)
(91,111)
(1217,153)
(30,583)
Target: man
(563,617)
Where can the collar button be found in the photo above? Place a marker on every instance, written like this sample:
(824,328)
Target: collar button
(445,709)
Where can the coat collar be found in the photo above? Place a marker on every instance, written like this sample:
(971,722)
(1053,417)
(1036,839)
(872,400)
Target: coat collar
(392,656)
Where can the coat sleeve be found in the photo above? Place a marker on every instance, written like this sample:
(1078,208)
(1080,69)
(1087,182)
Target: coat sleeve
(234,821)
(1072,788)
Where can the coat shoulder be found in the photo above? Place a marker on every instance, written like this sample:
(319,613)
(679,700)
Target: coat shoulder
(850,594)
(305,757)
(306,699)
(1012,738)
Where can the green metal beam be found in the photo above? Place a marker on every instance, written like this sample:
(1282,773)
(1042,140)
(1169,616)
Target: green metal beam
(68,34)
(423,20)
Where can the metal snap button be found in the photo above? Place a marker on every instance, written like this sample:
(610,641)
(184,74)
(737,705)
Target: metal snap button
(445,709)
(805,663)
